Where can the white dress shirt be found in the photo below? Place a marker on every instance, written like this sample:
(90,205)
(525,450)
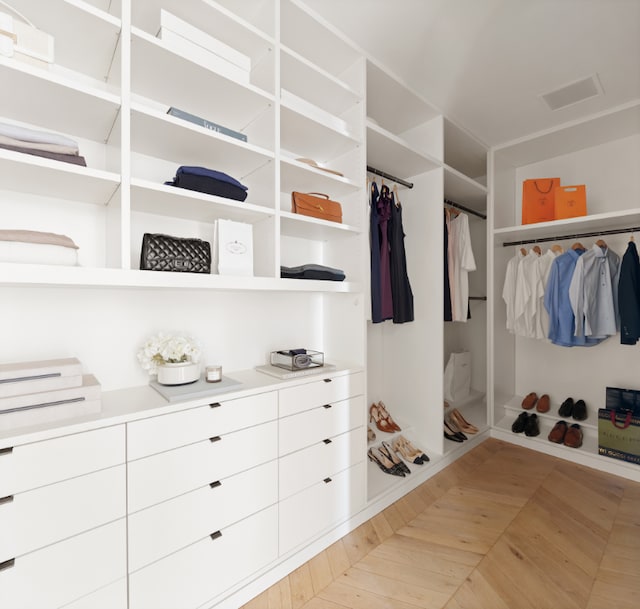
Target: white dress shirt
(461,263)
(509,289)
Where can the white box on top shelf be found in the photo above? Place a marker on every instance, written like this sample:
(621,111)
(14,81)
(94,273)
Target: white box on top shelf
(200,47)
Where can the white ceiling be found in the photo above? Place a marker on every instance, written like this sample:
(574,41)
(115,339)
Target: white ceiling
(483,63)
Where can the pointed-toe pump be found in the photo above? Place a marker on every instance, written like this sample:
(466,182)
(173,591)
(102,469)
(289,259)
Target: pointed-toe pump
(462,424)
(382,409)
(383,462)
(376,417)
(387,450)
(449,434)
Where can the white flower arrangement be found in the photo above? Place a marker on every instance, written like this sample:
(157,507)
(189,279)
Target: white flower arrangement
(167,349)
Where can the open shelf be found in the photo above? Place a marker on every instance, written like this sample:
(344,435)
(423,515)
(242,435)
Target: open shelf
(295,225)
(464,190)
(301,177)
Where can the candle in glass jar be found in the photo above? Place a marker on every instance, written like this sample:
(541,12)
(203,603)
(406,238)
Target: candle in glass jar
(214,374)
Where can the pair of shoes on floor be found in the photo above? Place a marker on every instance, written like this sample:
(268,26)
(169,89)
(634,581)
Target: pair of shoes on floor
(387,460)
(527,423)
(577,410)
(408,451)
(460,423)
(379,415)
(452,432)
(569,435)
(542,404)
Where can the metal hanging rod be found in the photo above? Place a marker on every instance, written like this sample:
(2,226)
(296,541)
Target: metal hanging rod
(477,297)
(613,231)
(464,208)
(388,176)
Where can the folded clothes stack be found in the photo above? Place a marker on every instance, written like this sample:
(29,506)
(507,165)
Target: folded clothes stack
(312,271)
(40,143)
(36,247)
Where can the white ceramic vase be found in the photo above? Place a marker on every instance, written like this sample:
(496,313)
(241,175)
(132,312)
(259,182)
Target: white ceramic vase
(178,374)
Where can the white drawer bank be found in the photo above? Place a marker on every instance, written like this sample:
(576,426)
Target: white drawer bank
(151,505)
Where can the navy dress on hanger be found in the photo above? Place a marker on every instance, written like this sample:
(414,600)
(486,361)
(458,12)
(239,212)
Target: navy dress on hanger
(385,203)
(374,236)
(401,292)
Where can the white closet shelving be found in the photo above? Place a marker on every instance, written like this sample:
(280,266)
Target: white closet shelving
(603,153)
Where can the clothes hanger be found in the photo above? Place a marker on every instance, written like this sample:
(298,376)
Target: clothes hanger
(578,246)
(601,243)
(557,249)
(537,250)
(523,251)
(397,198)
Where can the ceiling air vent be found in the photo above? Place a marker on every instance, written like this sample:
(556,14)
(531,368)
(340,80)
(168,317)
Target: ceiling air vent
(573,93)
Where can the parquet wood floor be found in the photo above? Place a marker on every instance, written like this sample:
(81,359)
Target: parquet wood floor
(503,527)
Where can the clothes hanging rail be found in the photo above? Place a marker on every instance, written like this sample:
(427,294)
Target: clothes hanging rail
(477,297)
(464,208)
(613,231)
(388,176)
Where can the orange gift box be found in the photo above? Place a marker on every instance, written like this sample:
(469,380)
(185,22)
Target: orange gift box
(538,200)
(570,201)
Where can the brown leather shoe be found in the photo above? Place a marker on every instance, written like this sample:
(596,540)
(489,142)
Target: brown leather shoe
(573,437)
(530,401)
(558,432)
(543,404)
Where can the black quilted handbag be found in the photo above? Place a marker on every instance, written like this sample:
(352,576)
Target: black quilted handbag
(166,253)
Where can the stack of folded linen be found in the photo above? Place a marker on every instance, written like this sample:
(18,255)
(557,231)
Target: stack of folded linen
(40,143)
(45,391)
(35,247)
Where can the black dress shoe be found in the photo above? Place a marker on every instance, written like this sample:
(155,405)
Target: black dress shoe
(566,408)
(531,428)
(579,411)
(520,423)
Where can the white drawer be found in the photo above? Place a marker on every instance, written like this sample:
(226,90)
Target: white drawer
(305,468)
(309,513)
(316,393)
(66,571)
(313,426)
(37,518)
(113,596)
(198,573)
(169,431)
(171,525)
(29,466)
(160,477)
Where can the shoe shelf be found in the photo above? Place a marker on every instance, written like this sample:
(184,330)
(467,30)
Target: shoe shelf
(514,407)
(474,410)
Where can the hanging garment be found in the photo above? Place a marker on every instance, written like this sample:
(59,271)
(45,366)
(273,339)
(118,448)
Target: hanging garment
(374,243)
(384,216)
(509,289)
(527,288)
(629,296)
(541,316)
(400,286)
(461,263)
(593,293)
(558,305)
(447,282)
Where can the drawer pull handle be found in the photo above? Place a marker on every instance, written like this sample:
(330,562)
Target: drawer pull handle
(7,499)
(327,380)
(215,484)
(327,480)
(326,406)
(215,405)
(6,451)
(7,564)
(215,535)
(215,439)
(327,441)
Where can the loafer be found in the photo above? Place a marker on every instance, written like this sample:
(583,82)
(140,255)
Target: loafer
(532,429)
(530,401)
(520,423)
(573,437)
(558,432)
(543,404)
(566,408)
(579,412)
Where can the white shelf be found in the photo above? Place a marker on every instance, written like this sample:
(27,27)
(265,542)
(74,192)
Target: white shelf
(46,275)
(462,189)
(160,135)
(47,177)
(318,86)
(393,155)
(46,97)
(301,177)
(513,408)
(295,225)
(307,137)
(571,226)
(192,87)
(153,198)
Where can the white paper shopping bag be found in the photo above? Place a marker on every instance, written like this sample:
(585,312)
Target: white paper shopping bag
(233,248)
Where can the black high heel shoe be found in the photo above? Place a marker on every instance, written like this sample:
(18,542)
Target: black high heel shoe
(449,434)
(388,452)
(383,462)
(455,430)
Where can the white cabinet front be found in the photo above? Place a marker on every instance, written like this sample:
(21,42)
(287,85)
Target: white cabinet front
(113,596)
(203,570)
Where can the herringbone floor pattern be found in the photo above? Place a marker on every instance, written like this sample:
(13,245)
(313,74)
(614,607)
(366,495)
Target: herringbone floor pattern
(501,528)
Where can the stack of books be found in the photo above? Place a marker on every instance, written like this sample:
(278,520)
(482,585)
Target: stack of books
(33,393)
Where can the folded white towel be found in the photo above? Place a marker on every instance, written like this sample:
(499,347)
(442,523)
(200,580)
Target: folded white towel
(31,135)
(58,148)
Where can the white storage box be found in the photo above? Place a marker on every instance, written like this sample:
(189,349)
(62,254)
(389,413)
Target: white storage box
(24,42)
(233,248)
(194,44)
